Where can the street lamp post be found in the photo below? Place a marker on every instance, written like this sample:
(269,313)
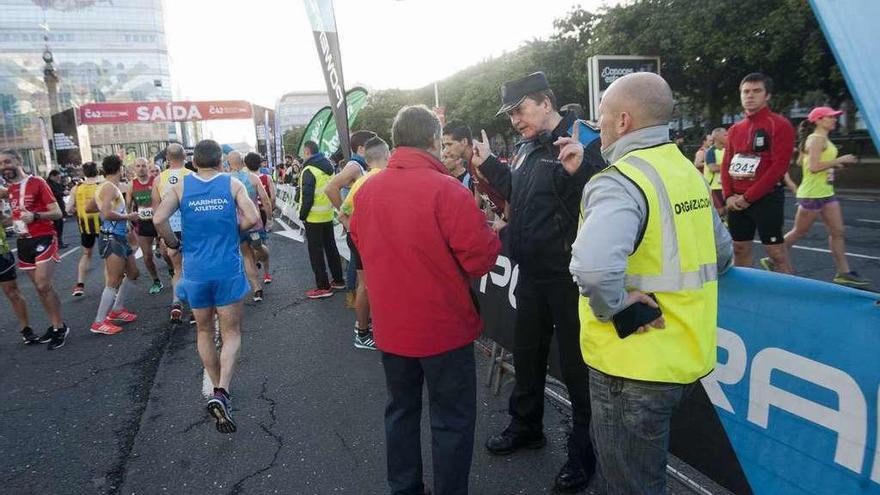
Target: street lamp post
(50,78)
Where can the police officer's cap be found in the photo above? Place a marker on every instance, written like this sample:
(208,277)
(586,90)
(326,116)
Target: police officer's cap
(514,92)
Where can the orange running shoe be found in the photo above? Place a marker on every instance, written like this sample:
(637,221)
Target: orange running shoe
(105,327)
(121,316)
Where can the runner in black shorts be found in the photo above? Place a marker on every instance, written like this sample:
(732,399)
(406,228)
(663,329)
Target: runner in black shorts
(89,225)
(10,288)
(141,202)
(756,158)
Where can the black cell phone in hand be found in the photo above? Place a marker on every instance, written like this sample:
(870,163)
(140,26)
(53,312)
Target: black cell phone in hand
(637,315)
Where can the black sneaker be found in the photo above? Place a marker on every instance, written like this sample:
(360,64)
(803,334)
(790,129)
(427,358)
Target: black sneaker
(59,336)
(258,295)
(47,337)
(220,408)
(571,478)
(28,337)
(364,341)
(509,442)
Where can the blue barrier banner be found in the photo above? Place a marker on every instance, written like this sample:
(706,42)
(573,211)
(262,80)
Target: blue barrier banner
(796,386)
(792,406)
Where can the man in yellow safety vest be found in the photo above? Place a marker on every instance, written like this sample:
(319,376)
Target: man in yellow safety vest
(646,259)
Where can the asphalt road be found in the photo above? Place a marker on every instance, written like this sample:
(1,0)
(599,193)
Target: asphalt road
(124,414)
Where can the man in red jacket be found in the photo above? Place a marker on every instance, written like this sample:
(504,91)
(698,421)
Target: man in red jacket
(758,154)
(422,239)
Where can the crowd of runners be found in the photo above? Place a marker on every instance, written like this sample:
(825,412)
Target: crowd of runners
(209,219)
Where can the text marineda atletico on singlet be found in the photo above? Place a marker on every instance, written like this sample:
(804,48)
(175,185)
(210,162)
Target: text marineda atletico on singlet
(213,204)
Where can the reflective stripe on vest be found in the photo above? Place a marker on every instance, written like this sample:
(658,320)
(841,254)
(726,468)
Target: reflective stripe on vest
(322,208)
(675,261)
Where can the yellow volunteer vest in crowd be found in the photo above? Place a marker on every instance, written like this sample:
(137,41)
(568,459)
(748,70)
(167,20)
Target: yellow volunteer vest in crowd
(817,184)
(348,204)
(89,223)
(676,261)
(714,178)
(322,209)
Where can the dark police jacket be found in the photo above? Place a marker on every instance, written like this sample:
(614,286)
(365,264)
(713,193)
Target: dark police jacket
(544,201)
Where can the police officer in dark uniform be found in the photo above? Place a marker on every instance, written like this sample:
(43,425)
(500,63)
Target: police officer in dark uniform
(543,188)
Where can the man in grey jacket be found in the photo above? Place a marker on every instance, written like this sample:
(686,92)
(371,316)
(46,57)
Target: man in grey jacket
(634,114)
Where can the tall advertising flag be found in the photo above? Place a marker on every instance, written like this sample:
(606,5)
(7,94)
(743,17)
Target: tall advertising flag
(314,129)
(329,143)
(327,40)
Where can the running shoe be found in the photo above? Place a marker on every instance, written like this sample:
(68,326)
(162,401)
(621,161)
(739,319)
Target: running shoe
(267,279)
(220,408)
(47,337)
(176,312)
(767,264)
(78,290)
(156,287)
(319,293)
(59,337)
(105,327)
(258,295)
(851,279)
(192,318)
(364,341)
(28,337)
(121,316)
(338,285)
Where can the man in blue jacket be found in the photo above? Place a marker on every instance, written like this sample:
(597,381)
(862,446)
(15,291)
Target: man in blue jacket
(542,190)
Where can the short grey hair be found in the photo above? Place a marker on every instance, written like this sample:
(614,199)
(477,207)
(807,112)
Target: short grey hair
(175,153)
(375,149)
(415,126)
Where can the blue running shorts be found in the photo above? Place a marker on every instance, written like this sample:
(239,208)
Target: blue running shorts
(200,295)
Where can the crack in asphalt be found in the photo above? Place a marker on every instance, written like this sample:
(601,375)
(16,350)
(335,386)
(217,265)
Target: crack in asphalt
(279,441)
(140,390)
(294,304)
(93,372)
(200,422)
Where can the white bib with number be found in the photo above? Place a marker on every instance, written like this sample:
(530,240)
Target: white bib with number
(20,227)
(744,166)
(145,213)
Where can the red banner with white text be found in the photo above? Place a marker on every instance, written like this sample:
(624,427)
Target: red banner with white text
(163,111)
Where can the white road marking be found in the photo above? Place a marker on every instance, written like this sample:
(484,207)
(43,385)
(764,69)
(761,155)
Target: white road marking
(71,251)
(867,220)
(288,232)
(820,250)
(138,254)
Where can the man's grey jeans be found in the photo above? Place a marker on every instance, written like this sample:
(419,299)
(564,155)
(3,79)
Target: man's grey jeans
(630,432)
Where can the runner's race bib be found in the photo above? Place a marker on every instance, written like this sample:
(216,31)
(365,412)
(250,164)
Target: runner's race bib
(744,166)
(145,213)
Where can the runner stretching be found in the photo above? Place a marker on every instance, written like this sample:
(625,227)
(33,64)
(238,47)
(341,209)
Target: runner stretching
(215,209)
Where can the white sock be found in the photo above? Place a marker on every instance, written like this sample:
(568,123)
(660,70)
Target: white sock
(124,290)
(107,298)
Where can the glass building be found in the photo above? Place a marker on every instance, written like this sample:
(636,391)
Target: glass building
(103,50)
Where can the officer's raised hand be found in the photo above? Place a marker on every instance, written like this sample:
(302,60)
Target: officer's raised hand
(481,150)
(571,151)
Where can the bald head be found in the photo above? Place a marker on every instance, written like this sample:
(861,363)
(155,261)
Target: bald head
(235,160)
(645,96)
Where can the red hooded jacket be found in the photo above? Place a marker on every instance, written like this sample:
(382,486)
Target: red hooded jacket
(421,239)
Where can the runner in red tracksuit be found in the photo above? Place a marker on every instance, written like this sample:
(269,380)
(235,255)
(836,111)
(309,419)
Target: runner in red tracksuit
(757,156)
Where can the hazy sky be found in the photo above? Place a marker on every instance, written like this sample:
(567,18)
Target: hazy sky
(257,50)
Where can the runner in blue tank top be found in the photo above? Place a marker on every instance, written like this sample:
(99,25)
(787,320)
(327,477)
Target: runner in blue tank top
(252,241)
(213,280)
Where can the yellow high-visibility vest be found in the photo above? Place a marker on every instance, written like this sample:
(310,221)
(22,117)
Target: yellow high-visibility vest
(676,261)
(322,209)
(89,223)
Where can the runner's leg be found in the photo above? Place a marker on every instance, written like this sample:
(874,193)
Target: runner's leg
(114,271)
(41,276)
(19,306)
(362,303)
(82,269)
(832,216)
(250,266)
(146,245)
(803,221)
(205,342)
(230,332)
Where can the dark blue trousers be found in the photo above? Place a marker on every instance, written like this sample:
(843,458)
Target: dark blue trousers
(452,396)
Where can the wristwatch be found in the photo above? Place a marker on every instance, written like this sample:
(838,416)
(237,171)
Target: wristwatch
(36,216)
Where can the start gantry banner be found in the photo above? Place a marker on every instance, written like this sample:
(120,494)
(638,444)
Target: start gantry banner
(163,111)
